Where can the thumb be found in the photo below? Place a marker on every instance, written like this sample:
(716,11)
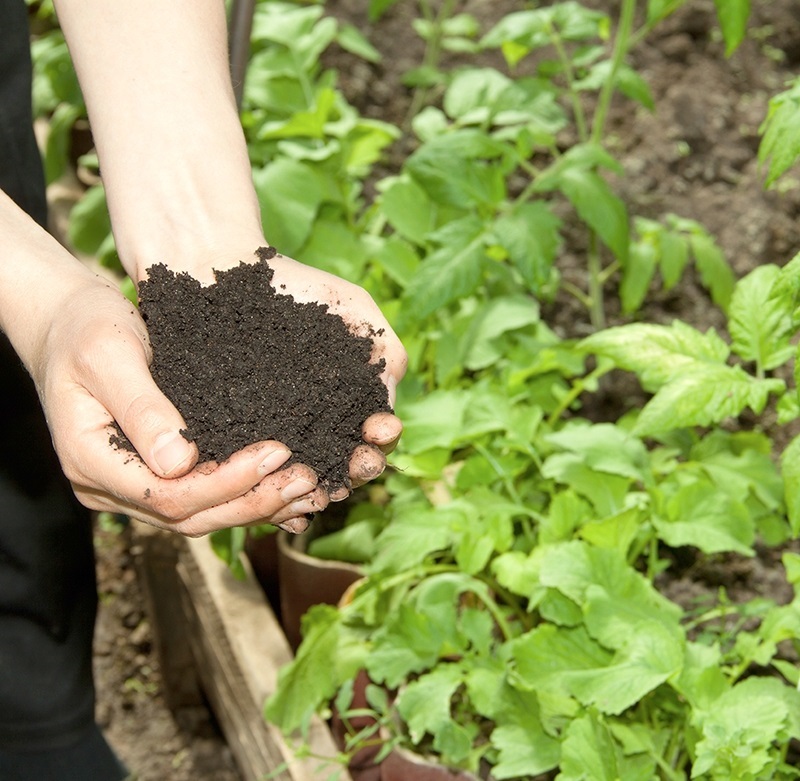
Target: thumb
(148,419)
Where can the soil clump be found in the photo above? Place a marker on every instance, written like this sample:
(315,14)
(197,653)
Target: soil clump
(244,363)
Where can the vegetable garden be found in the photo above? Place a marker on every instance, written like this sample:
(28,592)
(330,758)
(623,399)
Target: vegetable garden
(582,562)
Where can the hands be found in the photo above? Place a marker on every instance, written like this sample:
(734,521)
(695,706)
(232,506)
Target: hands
(92,368)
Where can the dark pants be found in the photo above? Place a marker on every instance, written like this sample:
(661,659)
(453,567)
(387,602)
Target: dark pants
(48,594)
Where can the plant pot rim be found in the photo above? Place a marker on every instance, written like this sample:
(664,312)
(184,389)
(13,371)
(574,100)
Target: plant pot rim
(294,546)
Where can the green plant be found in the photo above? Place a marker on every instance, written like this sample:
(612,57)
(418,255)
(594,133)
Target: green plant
(511,614)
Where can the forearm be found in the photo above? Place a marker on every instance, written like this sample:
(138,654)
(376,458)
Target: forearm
(173,157)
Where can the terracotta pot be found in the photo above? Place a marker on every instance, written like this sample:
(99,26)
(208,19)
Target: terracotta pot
(262,553)
(403,765)
(306,580)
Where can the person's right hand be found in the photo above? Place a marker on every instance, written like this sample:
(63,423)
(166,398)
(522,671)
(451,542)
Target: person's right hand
(91,368)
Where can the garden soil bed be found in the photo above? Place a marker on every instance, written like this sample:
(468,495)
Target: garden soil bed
(695,156)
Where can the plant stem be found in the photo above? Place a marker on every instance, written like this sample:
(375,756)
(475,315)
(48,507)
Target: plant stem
(621,49)
(433,50)
(597,312)
(569,74)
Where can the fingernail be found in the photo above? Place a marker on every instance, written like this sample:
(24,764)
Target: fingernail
(295,525)
(297,488)
(274,459)
(170,451)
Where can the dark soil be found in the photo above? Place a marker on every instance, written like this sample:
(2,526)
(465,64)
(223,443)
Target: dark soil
(244,363)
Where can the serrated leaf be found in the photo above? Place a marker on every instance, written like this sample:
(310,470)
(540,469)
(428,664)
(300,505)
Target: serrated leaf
(459,169)
(740,730)
(571,661)
(452,272)
(703,396)
(708,519)
(497,317)
(425,703)
(605,448)
(410,538)
(658,354)
(530,233)
(759,325)
(780,131)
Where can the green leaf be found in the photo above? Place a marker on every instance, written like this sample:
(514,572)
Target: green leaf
(707,519)
(378,8)
(497,317)
(452,272)
(474,89)
(56,156)
(593,578)
(411,537)
(89,223)
(660,9)
(790,469)
(605,491)
(425,703)
(323,662)
(658,354)
(780,141)
(434,420)
(599,207)
(605,448)
(570,661)
(715,272)
(408,209)
(637,275)
(524,747)
(457,169)
(398,259)
(759,325)
(290,195)
(228,544)
(744,729)
(353,40)
(703,396)
(628,82)
(589,752)
(530,234)
(673,257)
(733,16)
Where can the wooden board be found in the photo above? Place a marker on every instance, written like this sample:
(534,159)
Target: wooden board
(238,647)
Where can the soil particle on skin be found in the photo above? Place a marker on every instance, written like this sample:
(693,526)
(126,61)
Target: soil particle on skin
(244,363)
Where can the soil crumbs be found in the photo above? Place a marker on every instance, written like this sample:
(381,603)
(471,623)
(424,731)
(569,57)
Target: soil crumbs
(244,363)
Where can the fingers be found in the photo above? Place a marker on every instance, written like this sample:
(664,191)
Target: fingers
(382,430)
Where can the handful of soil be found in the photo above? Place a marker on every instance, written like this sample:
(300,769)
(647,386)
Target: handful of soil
(244,363)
